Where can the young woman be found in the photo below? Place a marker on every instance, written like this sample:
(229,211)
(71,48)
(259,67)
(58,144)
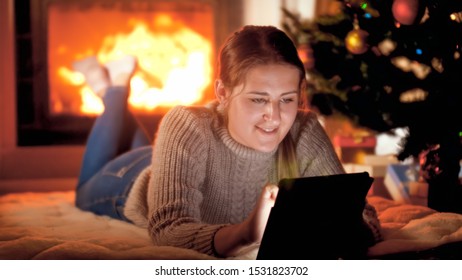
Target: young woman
(209,180)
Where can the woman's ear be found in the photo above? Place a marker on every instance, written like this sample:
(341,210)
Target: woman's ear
(220,91)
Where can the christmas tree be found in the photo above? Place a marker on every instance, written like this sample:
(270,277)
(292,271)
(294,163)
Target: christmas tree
(390,64)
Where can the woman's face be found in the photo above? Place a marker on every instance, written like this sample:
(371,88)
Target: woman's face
(262,110)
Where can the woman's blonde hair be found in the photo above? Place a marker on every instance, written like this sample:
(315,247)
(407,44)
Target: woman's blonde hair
(262,45)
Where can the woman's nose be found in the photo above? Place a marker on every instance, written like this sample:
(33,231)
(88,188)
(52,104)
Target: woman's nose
(272,112)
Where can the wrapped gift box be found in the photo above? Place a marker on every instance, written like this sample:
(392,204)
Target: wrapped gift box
(352,149)
(402,187)
(376,166)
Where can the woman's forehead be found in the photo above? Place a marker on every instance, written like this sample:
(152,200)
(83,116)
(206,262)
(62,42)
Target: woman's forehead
(272,76)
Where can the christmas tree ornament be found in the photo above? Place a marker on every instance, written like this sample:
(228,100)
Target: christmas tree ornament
(402,63)
(369,11)
(413,95)
(387,46)
(437,64)
(356,39)
(430,162)
(420,70)
(355,3)
(456,55)
(407,12)
(457,17)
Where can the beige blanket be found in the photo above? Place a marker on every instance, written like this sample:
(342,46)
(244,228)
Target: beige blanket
(49,226)
(408,228)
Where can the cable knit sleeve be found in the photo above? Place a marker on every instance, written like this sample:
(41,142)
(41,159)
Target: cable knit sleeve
(178,172)
(318,158)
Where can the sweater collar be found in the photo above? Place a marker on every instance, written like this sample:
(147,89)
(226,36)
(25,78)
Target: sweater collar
(241,150)
(236,147)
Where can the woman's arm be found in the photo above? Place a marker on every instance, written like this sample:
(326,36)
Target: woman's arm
(175,192)
(230,239)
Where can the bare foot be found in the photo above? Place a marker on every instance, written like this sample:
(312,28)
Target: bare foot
(96,76)
(121,70)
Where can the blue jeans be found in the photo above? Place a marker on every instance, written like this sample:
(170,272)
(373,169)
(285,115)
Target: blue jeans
(117,150)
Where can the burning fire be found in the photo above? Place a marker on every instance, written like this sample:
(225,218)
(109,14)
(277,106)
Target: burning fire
(174,66)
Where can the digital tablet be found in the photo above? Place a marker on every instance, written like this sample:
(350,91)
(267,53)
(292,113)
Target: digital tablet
(318,218)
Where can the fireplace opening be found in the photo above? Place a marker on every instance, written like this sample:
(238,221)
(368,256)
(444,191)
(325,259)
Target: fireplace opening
(174,41)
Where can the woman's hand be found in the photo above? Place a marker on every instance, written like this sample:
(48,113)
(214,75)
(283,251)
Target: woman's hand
(256,222)
(230,239)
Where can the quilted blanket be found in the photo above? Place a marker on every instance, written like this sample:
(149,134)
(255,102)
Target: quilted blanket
(49,226)
(413,228)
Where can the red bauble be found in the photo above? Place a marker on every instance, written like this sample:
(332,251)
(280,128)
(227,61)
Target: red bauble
(407,12)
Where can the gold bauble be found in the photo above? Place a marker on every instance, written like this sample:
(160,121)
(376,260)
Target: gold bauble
(356,41)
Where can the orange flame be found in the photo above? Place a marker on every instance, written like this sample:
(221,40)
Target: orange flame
(174,66)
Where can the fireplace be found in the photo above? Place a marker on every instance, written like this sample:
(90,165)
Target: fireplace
(175,41)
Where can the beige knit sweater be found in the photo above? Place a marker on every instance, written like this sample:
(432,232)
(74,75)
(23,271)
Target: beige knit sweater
(201,179)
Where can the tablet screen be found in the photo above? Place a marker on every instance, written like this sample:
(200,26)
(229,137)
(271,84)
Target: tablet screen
(317,218)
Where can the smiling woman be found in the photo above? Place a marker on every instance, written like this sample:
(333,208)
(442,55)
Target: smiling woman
(262,110)
(209,181)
